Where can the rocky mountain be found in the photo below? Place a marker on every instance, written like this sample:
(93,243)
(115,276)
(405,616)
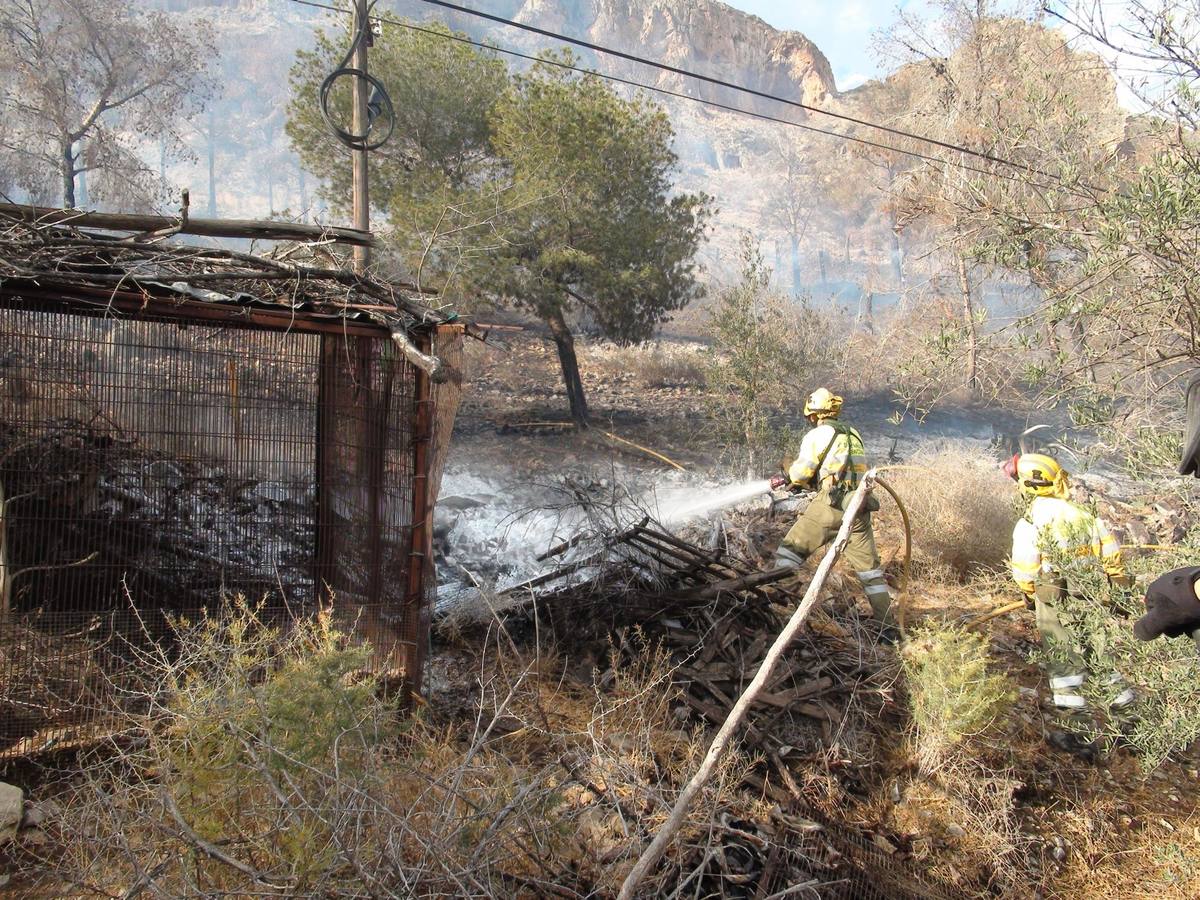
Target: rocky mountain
(702,36)
(747,165)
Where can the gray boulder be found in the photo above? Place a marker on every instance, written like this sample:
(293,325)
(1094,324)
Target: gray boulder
(12,810)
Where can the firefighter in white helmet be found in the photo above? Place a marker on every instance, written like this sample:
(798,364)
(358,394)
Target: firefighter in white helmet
(832,462)
(1055,526)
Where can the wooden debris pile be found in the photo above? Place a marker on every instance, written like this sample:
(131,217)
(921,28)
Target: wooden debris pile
(717,615)
(95,522)
(818,731)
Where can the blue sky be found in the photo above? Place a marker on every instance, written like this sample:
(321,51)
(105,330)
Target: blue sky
(842,30)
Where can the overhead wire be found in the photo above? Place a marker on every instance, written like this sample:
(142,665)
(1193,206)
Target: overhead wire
(720,82)
(484,45)
(379,104)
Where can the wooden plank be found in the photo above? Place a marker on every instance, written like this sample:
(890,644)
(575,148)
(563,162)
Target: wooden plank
(249,229)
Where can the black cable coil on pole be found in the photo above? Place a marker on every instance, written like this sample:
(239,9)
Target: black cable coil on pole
(379,104)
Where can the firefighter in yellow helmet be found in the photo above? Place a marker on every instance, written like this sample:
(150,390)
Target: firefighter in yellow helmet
(832,462)
(1054,526)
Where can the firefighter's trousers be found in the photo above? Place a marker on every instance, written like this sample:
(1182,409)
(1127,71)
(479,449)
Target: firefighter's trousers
(817,526)
(1066,667)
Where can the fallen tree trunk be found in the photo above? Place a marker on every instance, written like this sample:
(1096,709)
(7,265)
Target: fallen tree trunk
(654,852)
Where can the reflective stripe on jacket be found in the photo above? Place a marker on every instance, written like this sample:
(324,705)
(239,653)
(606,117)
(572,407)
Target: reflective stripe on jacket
(846,444)
(1054,522)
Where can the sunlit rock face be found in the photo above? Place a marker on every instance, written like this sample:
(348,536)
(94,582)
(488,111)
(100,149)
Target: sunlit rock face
(698,35)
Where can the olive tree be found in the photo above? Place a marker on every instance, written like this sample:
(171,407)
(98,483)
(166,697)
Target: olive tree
(82,81)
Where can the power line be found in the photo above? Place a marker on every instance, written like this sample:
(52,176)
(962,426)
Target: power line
(700,100)
(621,54)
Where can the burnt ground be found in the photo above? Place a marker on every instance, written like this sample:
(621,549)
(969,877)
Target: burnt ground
(515,398)
(1077,830)
(1091,830)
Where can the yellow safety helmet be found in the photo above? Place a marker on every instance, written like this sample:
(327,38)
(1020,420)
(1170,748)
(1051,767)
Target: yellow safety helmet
(1039,475)
(823,404)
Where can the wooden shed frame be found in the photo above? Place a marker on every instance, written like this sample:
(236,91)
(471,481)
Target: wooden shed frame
(386,369)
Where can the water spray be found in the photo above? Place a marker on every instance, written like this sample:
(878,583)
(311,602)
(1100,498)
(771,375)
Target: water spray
(687,508)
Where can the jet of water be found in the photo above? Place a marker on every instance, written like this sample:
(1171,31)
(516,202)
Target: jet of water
(689,507)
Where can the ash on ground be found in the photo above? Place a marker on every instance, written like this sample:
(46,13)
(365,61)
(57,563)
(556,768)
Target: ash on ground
(489,532)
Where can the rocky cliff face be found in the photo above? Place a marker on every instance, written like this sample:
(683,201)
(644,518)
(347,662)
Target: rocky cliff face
(698,35)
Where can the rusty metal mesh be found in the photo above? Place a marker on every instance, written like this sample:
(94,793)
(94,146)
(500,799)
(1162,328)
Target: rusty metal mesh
(151,466)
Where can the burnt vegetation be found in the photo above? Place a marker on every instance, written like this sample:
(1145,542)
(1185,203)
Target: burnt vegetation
(243,652)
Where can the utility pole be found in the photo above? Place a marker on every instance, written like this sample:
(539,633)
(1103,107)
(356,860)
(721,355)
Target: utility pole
(212,163)
(362,199)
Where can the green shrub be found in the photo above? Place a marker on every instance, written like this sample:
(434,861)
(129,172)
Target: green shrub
(952,693)
(1164,673)
(250,711)
(765,347)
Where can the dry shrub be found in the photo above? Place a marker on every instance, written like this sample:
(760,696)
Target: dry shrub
(47,677)
(917,353)
(270,762)
(956,697)
(961,506)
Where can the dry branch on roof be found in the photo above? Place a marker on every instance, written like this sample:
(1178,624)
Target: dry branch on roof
(41,255)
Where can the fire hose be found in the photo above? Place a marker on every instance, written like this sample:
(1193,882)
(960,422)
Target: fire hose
(902,587)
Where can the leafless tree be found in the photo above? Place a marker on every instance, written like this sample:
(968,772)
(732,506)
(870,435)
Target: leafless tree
(83,82)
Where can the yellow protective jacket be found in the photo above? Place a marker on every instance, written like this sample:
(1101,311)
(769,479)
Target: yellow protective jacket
(844,464)
(1056,522)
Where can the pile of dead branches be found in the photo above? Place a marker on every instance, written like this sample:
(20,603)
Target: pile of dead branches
(717,616)
(93,521)
(101,542)
(814,736)
(47,256)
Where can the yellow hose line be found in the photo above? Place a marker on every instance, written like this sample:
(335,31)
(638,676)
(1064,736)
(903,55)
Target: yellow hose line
(1149,547)
(903,586)
(995,613)
(667,460)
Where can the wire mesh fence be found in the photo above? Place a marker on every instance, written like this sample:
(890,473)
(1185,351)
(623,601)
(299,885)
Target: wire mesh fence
(151,465)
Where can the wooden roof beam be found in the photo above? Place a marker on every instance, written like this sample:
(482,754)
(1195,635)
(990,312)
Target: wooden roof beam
(249,229)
